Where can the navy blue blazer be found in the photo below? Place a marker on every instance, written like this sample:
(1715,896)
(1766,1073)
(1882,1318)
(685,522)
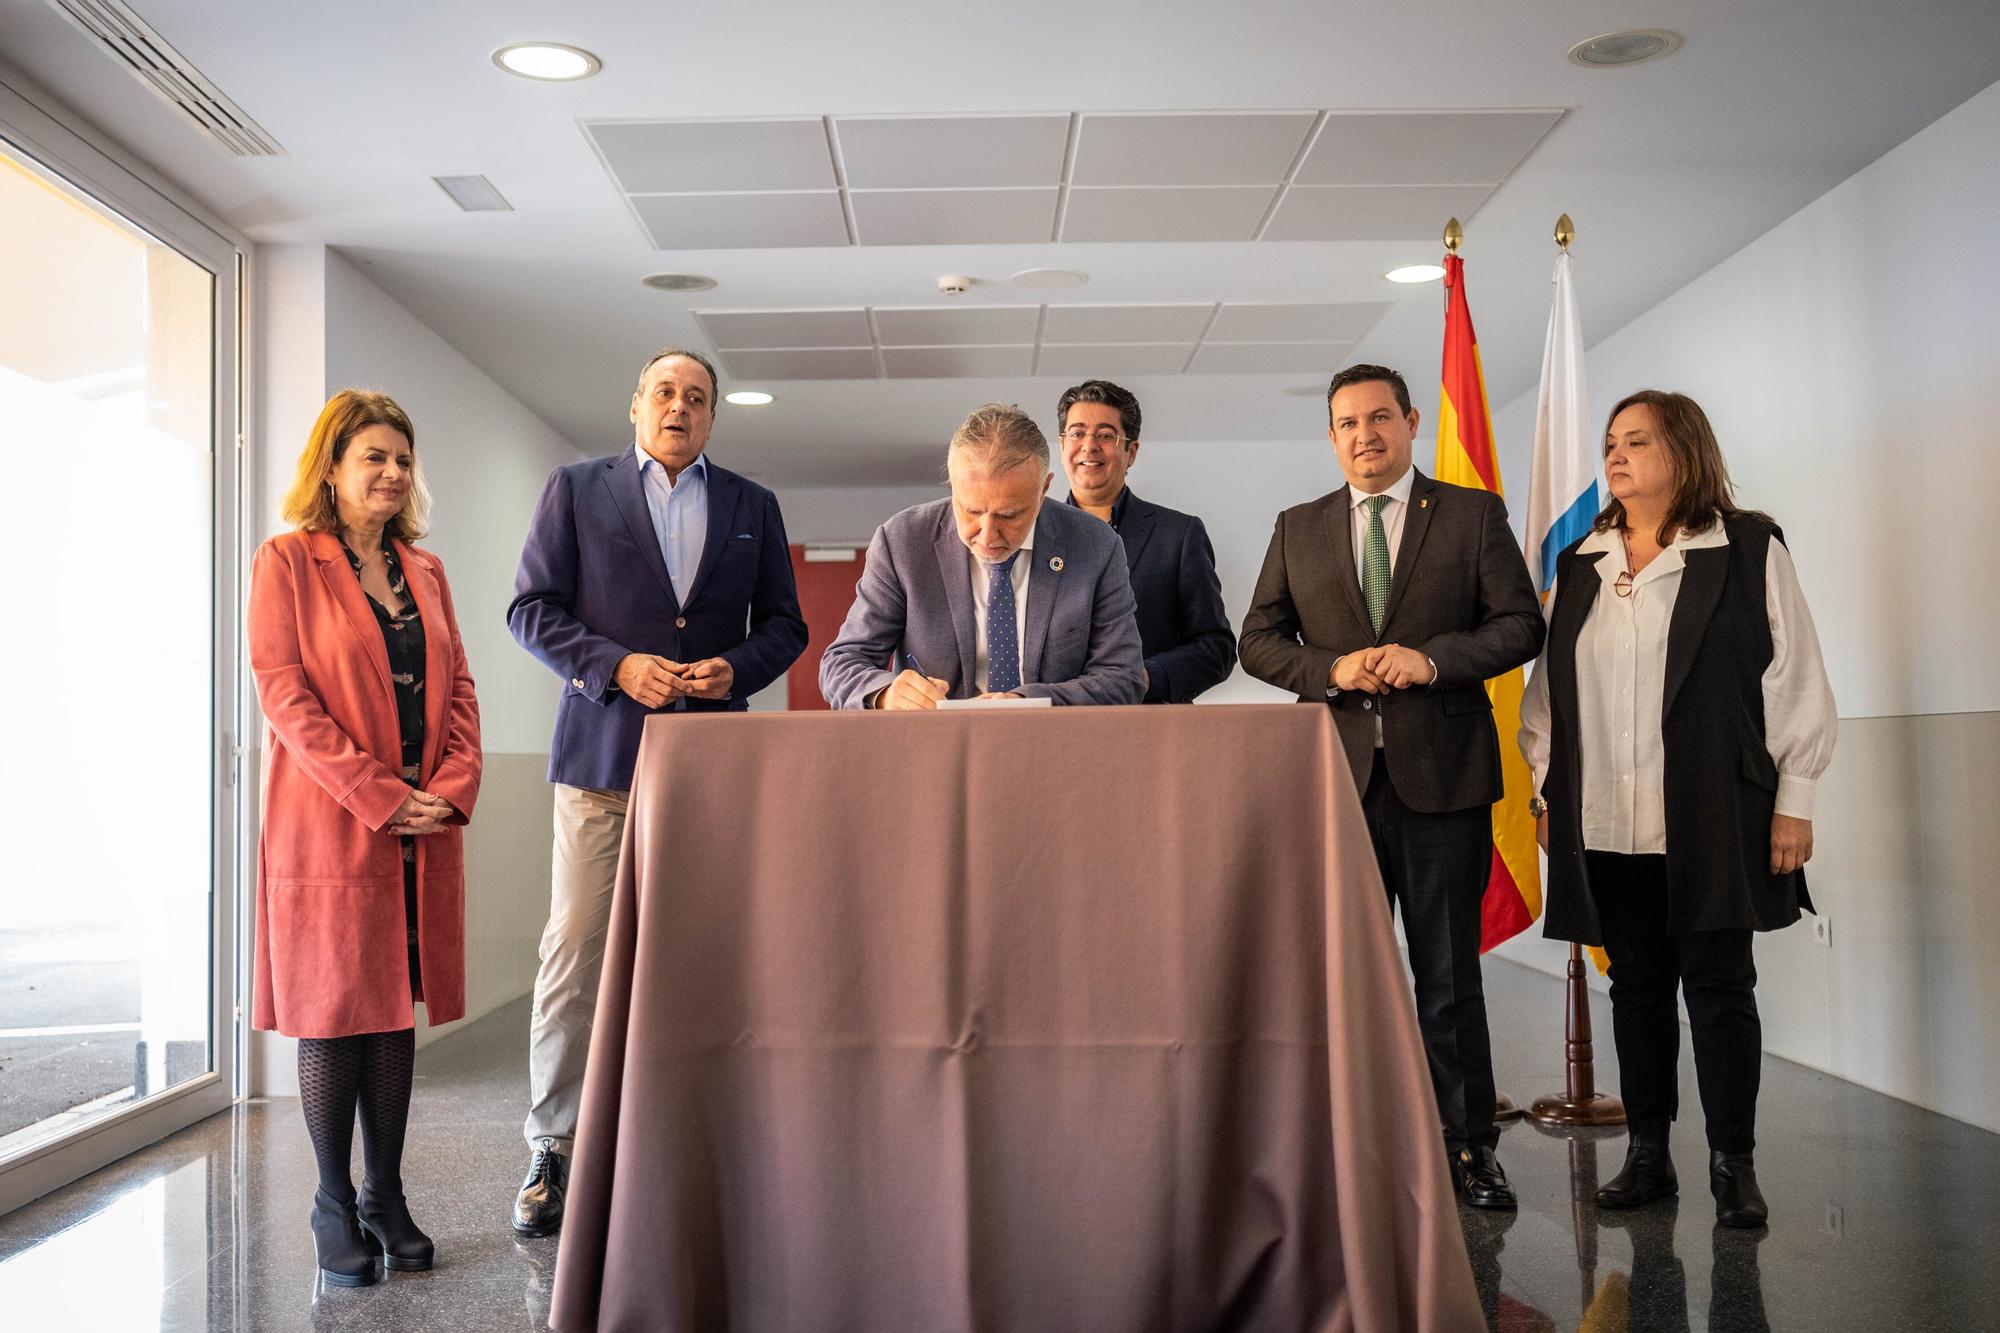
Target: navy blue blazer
(1183,629)
(593,587)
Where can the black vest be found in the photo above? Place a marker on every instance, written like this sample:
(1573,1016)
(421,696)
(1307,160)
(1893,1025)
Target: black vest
(1721,786)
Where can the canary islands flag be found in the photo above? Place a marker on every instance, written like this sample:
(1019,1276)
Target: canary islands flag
(1466,457)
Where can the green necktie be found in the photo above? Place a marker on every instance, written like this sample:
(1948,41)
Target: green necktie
(1375,563)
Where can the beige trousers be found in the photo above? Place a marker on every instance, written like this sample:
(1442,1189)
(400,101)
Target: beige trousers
(589,828)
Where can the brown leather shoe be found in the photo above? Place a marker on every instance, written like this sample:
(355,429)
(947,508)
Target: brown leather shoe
(538,1208)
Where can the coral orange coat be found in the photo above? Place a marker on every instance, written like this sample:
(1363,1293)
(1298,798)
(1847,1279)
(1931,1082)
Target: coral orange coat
(331,949)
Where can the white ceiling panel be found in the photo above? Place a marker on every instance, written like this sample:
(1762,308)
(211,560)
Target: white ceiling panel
(741,221)
(952,151)
(1372,212)
(954,217)
(684,156)
(1230,213)
(828,364)
(1443,148)
(1251,149)
(1106,361)
(956,362)
(966,326)
(1270,358)
(1296,323)
(731,330)
(1125,323)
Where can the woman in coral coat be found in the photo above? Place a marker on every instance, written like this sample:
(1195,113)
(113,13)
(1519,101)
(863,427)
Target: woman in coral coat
(371,768)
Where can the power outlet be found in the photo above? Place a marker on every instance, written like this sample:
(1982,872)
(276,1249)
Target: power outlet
(1823,931)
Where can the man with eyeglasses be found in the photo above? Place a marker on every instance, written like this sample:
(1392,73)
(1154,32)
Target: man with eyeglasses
(1183,630)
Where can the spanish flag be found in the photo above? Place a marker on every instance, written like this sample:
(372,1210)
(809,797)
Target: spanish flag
(1466,457)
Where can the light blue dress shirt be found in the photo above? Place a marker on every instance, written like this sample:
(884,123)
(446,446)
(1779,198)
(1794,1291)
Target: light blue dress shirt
(680,516)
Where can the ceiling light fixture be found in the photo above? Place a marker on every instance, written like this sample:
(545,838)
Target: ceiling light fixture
(678,282)
(1415,273)
(551,62)
(1050,277)
(1632,46)
(749,398)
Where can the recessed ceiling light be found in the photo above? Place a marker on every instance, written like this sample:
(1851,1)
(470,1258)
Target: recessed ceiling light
(551,61)
(1050,277)
(678,282)
(748,398)
(1629,47)
(1415,273)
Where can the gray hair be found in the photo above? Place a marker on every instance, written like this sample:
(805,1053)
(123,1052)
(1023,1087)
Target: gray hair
(1002,436)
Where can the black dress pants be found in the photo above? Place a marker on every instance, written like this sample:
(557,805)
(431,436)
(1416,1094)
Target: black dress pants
(1713,969)
(1434,867)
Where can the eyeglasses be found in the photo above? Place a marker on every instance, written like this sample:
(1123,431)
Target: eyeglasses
(1622,585)
(1106,439)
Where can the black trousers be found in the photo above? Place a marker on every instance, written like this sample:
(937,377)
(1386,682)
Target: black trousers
(1713,969)
(1435,869)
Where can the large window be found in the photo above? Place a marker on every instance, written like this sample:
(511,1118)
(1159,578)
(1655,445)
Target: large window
(115,965)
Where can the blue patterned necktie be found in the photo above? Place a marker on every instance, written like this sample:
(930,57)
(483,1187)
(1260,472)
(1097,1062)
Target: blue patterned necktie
(1003,648)
(1375,563)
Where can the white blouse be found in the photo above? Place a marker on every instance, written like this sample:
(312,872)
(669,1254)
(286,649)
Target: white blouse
(1621,672)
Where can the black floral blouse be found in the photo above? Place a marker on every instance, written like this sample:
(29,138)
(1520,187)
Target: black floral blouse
(403,636)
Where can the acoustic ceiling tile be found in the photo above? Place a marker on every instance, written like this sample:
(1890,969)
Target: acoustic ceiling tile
(732,330)
(1269,358)
(1201,149)
(1226,214)
(1372,212)
(839,363)
(1104,360)
(954,217)
(965,326)
(956,362)
(1296,323)
(695,156)
(1125,323)
(952,151)
(1443,148)
(742,221)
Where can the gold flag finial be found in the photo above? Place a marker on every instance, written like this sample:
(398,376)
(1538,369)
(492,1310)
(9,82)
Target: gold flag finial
(1565,232)
(1453,235)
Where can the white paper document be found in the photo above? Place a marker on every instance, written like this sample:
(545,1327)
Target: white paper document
(996,703)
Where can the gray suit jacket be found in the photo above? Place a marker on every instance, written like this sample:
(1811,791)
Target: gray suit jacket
(1460,594)
(1081,644)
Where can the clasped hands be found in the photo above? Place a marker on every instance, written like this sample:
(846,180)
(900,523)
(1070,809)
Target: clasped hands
(1378,670)
(657,681)
(420,813)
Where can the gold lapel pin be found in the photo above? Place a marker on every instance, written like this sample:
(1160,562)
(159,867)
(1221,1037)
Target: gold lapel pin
(1055,563)
(1423,504)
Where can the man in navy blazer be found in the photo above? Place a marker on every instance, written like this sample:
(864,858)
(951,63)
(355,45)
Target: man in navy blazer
(1183,630)
(995,591)
(651,581)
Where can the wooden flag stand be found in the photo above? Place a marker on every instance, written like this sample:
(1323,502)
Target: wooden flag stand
(1580,1104)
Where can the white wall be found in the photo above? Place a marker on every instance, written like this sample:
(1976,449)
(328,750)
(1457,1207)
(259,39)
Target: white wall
(1845,359)
(322,325)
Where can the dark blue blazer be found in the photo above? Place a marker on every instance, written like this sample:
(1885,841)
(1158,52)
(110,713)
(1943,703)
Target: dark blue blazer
(593,587)
(1183,629)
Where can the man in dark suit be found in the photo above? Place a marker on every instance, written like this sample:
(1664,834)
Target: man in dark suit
(1183,630)
(640,574)
(1392,601)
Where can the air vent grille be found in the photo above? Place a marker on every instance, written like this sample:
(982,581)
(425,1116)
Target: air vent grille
(126,38)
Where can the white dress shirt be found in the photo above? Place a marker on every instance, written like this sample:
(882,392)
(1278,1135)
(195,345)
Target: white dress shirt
(1392,519)
(1621,668)
(1023,565)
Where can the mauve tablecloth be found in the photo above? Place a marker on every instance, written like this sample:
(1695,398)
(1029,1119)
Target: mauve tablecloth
(1086,1018)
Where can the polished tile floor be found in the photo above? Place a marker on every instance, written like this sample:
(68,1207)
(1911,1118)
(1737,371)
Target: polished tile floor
(1884,1216)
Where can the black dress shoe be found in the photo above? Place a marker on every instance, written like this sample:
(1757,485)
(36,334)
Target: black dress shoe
(1455,1163)
(1732,1178)
(538,1208)
(346,1259)
(1648,1175)
(1485,1183)
(385,1218)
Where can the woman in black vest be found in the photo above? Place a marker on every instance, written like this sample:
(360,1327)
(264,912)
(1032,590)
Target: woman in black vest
(1677,723)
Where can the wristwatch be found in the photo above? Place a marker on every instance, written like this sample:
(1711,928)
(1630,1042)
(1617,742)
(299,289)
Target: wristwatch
(1537,806)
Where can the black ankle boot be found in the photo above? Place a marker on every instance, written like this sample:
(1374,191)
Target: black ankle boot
(346,1259)
(385,1217)
(1648,1173)
(1732,1178)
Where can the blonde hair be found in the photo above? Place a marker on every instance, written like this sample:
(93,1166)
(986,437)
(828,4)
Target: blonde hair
(309,504)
